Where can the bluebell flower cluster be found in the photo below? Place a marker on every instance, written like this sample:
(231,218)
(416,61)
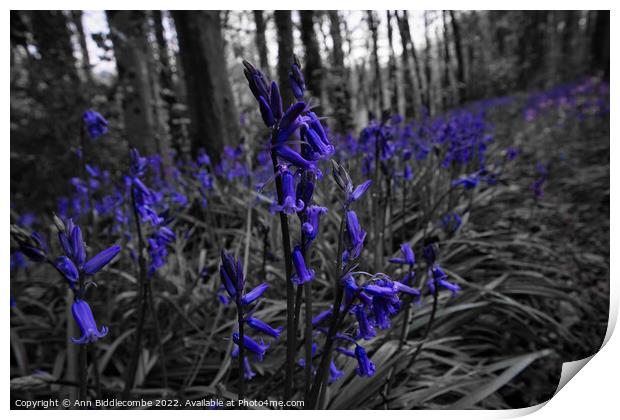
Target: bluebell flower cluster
(96,125)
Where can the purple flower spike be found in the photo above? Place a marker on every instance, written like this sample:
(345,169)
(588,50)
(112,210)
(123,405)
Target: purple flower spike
(100,260)
(84,318)
(254,294)
(304,274)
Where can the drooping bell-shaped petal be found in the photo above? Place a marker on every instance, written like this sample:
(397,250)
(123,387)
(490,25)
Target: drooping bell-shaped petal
(355,235)
(67,269)
(305,189)
(345,351)
(311,226)
(298,84)
(251,345)
(290,204)
(403,288)
(263,327)
(365,367)
(381,312)
(248,373)
(291,115)
(85,320)
(294,158)
(321,317)
(407,255)
(303,273)
(254,294)
(320,148)
(377,290)
(228,273)
(365,330)
(100,260)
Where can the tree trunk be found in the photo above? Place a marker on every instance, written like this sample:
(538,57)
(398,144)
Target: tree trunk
(600,43)
(128,32)
(460,65)
(313,68)
(409,52)
(393,79)
(76,16)
(214,119)
(427,64)
(261,44)
(284,28)
(446,96)
(377,84)
(340,94)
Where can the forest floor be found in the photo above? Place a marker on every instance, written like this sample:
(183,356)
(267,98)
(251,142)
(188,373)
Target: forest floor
(573,217)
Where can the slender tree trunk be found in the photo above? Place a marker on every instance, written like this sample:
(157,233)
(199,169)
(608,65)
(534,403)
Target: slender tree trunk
(427,64)
(600,43)
(377,84)
(446,85)
(408,78)
(340,93)
(313,68)
(284,27)
(214,118)
(460,65)
(76,16)
(261,44)
(392,71)
(409,48)
(128,32)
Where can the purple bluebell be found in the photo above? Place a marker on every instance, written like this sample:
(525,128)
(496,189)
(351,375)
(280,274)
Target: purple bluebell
(68,269)
(276,101)
(33,247)
(359,191)
(322,317)
(334,373)
(254,347)
(408,257)
(468,182)
(298,84)
(96,125)
(290,204)
(254,294)
(100,260)
(365,330)
(85,320)
(230,273)
(304,274)
(355,235)
(403,288)
(263,327)
(365,367)
(451,222)
(265,112)
(437,277)
(311,226)
(78,253)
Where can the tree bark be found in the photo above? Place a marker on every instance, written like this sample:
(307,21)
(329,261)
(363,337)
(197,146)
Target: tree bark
(393,78)
(446,96)
(284,28)
(128,33)
(460,65)
(214,118)
(340,93)
(377,84)
(76,16)
(261,44)
(313,68)
(600,43)
(427,64)
(409,53)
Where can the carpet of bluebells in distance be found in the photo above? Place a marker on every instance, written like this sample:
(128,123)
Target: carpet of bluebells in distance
(452,260)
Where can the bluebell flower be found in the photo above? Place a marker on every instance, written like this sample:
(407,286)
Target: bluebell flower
(304,274)
(294,158)
(451,221)
(290,204)
(276,101)
(296,78)
(311,226)
(322,317)
(407,173)
(248,373)
(468,182)
(100,260)
(231,274)
(254,294)
(437,277)
(305,188)
(358,192)
(138,163)
(254,347)
(96,125)
(334,373)
(256,80)
(408,258)
(355,235)
(33,246)
(376,290)
(67,268)
(265,112)
(365,330)
(430,253)
(365,367)
(84,318)
(381,312)
(403,288)
(263,327)
(345,351)
(78,253)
